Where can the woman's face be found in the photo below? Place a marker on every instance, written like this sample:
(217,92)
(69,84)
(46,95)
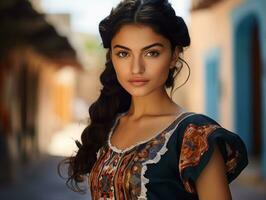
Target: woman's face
(139,53)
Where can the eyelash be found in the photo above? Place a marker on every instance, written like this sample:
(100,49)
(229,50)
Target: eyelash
(153,52)
(120,52)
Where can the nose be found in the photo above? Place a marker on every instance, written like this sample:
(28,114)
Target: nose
(137,65)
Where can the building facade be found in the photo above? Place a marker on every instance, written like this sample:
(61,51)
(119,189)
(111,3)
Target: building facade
(228,63)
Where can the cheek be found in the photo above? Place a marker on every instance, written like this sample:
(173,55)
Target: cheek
(120,70)
(161,69)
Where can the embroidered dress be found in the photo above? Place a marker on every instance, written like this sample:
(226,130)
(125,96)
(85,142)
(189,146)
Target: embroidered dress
(167,165)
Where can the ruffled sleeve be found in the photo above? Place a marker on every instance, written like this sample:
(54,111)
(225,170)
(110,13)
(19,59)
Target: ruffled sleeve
(197,146)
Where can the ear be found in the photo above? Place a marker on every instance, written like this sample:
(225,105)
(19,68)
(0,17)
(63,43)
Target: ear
(175,56)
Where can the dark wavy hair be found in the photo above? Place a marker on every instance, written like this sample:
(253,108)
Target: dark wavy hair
(113,99)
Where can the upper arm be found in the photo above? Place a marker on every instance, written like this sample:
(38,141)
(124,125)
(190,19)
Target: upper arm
(210,158)
(212,182)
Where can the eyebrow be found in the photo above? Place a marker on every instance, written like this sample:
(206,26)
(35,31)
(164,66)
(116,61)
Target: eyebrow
(143,49)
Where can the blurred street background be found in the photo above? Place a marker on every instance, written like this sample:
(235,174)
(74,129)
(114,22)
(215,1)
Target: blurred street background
(51,57)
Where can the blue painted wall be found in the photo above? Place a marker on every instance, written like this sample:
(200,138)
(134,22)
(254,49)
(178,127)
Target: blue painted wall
(212,83)
(243,18)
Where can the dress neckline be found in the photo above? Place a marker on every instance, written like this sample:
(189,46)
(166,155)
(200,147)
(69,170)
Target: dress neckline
(117,150)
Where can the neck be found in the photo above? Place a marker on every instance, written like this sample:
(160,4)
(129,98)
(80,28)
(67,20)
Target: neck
(155,103)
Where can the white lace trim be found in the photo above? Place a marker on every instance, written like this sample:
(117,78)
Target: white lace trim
(117,150)
(111,132)
(98,153)
(163,150)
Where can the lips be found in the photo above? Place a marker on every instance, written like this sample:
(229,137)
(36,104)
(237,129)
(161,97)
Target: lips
(138,82)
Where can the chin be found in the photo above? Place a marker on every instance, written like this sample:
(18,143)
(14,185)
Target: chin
(139,92)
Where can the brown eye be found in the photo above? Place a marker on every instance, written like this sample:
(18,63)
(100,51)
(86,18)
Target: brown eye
(153,54)
(122,54)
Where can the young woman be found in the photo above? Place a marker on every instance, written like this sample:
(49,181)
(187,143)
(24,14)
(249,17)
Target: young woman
(140,144)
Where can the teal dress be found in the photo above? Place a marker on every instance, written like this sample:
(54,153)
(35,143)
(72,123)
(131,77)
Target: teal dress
(167,165)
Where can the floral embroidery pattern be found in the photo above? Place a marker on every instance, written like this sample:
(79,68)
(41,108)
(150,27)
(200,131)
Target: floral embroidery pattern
(118,175)
(123,170)
(193,147)
(195,144)
(233,158)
